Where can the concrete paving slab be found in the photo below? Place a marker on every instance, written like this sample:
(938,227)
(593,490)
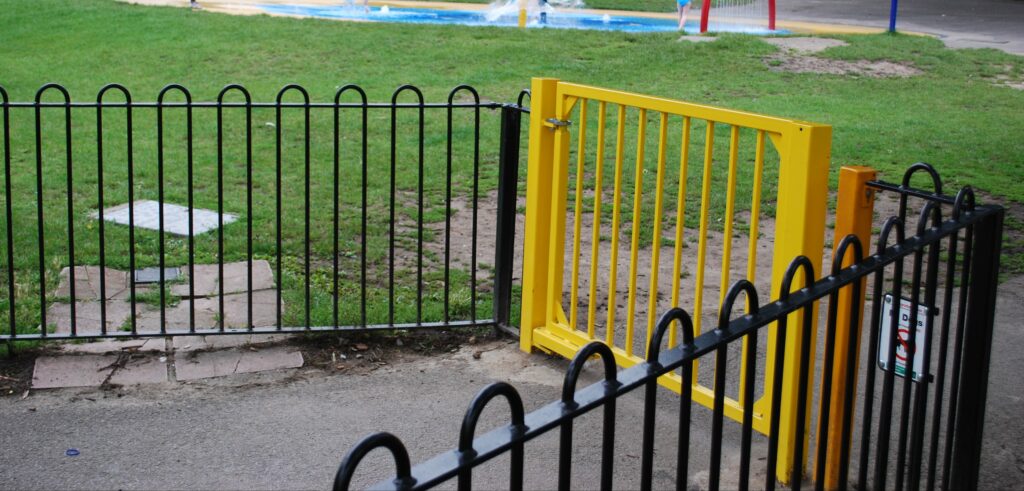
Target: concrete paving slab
(228,362)
(87,282)
(147,215)
(177,317)
(115,345)
(236,279)
(205,343)
(87,316)
(141,370)
(71,371)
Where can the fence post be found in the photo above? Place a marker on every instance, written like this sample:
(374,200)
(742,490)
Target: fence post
(977,351)
(799,231)
(505,241)
(537,234)
(854,211)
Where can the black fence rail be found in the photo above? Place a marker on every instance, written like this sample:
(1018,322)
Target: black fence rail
(327,216)
(901,437)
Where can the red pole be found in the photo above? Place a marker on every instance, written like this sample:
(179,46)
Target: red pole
(771,15)
(705,9)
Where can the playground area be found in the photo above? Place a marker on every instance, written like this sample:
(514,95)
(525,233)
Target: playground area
(224,234)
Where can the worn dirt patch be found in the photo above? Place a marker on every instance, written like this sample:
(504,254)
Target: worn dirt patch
(793,56)
(795,63)
(805,44)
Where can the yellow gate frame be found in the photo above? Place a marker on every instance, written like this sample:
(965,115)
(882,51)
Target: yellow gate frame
(804,152)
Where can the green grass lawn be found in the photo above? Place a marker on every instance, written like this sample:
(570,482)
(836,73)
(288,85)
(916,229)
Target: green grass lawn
(951,115)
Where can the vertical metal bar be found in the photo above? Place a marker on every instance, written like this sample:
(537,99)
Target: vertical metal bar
(595,233)
(730,207)
(476,204)
(336,143)
(677,259)
(850,384)
(100,225)
(921,392)
(448,214)
(220,214)
(248,208)
(508,181)
(309,300)
(940,378)
(391,210)
(71,213)
(885,414)
(638,186)
(12,320)
(977,351)
(749,372)
(620,145)
(958,338)
(160,206)
(773,423)
(908,379)
(683,449)
(796,480)
(39,227)
(755,209)
(581,157)
(702,243)
(365,176)
(277,211)
(826,394)
(131,208)
(647,443)
(659,190)
(714,471)
(565,455)
(869,383)
(191,222)
(419,226)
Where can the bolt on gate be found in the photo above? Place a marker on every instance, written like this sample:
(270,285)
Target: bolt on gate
(795,167)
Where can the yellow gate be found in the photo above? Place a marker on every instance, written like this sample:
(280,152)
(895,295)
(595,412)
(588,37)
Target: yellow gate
(564,131)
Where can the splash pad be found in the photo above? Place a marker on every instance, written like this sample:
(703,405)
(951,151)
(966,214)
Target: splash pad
(505,14)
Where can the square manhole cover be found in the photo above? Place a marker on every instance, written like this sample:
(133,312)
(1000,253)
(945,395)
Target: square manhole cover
(152,275)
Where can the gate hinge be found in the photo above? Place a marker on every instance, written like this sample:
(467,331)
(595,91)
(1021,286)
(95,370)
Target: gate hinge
(555,123)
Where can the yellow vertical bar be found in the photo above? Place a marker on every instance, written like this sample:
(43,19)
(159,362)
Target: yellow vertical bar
(581,151)
(659,189)
(595,238)
(616,209)
(854,210)
(702,241)
(559,194)
(677,260)
(638,189)
(536,236)
(755,209)
(755,214)
(799,230)
(730,206)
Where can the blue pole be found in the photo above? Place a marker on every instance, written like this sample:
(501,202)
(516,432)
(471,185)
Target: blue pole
(892,16)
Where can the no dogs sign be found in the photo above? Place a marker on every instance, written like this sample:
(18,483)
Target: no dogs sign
(903,337)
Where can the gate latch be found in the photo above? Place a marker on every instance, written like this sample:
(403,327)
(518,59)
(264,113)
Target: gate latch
(555,123)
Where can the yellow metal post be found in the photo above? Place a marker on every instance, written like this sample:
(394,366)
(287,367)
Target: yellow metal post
(854,211)
(799,230)
(522,14)
(537,236)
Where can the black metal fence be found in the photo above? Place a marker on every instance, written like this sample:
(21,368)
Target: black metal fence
(907,432)
(347,214)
